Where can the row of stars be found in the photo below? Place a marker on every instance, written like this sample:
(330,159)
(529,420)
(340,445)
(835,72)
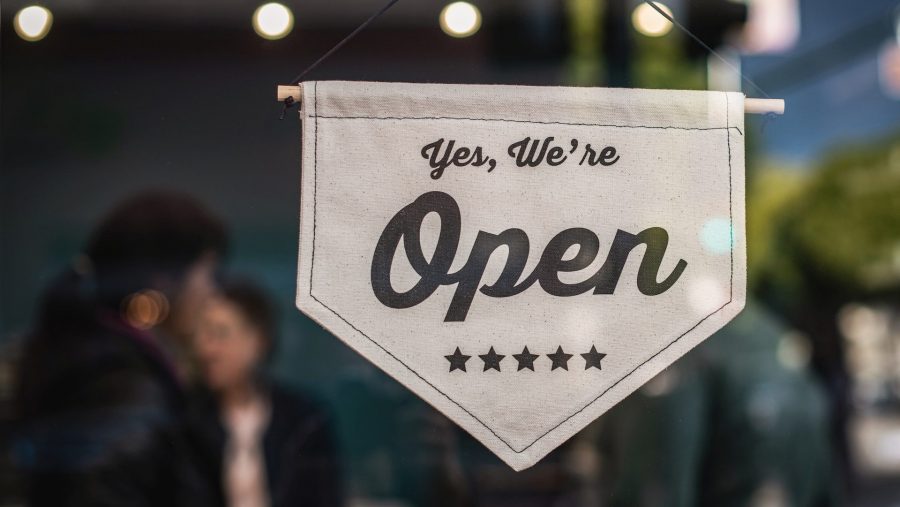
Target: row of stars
(526,359)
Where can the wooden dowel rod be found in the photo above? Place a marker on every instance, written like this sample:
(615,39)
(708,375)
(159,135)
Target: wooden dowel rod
(285,91)
(751,106)
(763,106)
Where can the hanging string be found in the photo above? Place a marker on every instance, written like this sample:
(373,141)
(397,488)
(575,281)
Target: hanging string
(706,46)
(345,40)
(289,102)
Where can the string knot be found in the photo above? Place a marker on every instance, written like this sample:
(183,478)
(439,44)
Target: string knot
(288,103)
(770,117)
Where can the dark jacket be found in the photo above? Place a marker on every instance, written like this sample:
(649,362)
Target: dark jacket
(101,418)
(302,465)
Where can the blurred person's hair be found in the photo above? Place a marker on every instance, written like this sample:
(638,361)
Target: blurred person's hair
(152,236)
(155,233)
(255,306)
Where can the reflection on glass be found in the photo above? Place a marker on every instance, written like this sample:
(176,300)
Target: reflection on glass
(717,235)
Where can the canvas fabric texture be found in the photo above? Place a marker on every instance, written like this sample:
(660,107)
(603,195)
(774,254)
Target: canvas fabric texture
(522,258)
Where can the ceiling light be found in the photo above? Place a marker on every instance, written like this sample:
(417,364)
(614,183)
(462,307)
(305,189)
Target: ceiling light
(273,21)
(32,23)
(649,21)
(460,19)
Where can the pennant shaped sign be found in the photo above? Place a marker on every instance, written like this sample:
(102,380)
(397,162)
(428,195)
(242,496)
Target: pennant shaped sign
(522,258)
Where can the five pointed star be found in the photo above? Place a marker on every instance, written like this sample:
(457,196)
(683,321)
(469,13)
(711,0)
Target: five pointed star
(491,360)
(560,359)
(592,358)
(457,360)
(525,359)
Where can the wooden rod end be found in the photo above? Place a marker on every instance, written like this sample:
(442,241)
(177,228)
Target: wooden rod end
(285,91)
(763,106)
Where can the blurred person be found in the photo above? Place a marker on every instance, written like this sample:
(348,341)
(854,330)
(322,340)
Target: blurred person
(407,453)
(266,444)
(100,401)
(740,420)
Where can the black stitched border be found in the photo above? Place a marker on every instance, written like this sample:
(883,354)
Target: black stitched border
(504,120)
(312,260)
(730,202)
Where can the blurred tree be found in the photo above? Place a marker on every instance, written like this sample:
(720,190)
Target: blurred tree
(585,62)
(835,239)
(770,190)
(606,49)
(836,236)
(847,226)
(661,62)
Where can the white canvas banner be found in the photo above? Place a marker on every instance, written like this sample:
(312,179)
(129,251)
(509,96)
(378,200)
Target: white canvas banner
(522,258)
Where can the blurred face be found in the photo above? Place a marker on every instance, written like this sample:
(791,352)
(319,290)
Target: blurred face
(227,347)
(194,291)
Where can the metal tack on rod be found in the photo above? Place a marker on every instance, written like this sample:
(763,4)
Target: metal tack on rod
(751,106)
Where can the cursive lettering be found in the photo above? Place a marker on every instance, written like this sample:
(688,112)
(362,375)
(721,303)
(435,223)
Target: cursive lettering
(435,272)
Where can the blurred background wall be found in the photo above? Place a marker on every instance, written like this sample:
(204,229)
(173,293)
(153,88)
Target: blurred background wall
(120,96)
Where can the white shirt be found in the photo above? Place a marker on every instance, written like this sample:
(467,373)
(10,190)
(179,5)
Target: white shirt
(244,465)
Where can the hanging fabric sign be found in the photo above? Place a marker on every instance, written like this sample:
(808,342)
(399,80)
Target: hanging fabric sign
(522,258)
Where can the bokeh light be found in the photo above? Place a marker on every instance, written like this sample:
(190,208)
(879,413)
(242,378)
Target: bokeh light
(706,295)
(897,26)
(460,19)
(32,23)
(649,22)
(273,21)
(717,236)
(146,308)
(794,351)
(663,384)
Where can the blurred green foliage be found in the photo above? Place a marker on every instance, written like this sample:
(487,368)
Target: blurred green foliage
(769,191)
(658,62)
(836,230)
(585,63)
(831,230)
(661,62)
